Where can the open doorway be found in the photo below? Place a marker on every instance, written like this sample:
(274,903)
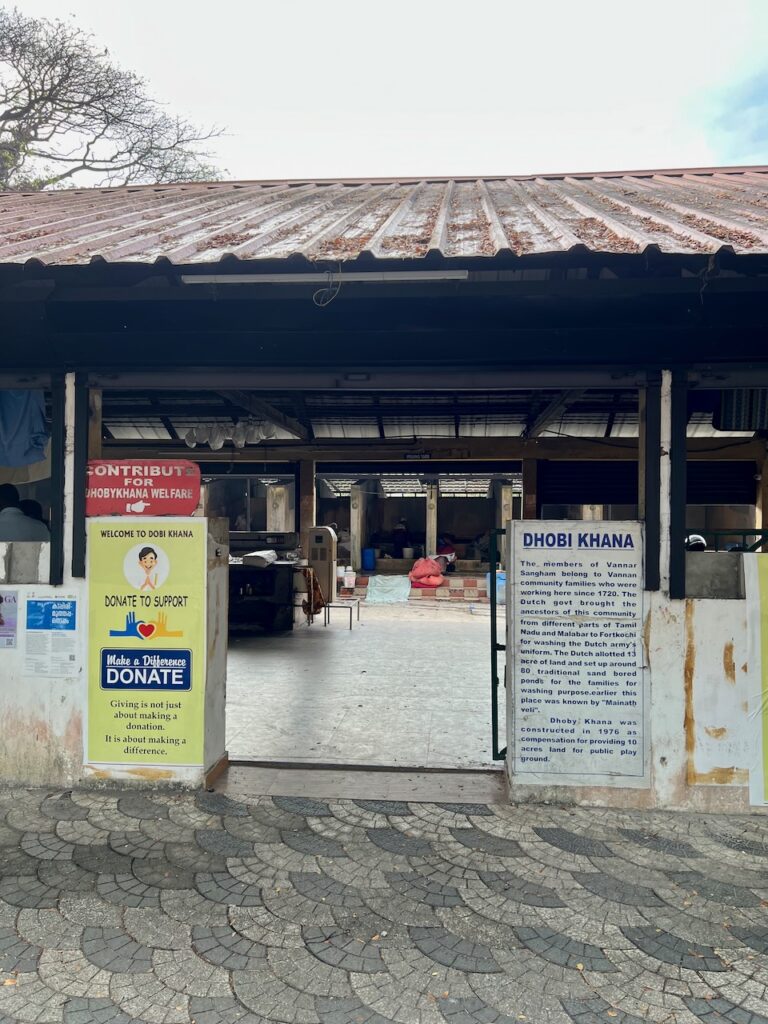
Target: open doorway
(408,685)
(400,677)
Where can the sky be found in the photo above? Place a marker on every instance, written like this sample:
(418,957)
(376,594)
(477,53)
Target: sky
(441,88)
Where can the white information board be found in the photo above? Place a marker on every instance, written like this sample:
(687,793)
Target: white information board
(579,707)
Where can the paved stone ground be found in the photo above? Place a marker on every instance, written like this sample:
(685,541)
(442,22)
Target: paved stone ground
(125,906)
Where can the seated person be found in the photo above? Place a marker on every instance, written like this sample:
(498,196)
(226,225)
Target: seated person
(446,547)
(401,538)
(14,524)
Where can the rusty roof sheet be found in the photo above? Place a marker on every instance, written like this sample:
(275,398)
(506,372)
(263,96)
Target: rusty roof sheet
(683,211)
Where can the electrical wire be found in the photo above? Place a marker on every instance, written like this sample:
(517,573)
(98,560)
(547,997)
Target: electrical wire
(325,296)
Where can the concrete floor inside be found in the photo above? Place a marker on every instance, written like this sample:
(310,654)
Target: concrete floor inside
(407,687)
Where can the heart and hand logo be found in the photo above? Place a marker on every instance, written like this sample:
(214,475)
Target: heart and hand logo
(141,630)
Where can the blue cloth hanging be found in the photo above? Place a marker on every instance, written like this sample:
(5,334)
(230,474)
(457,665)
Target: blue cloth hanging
(23,428)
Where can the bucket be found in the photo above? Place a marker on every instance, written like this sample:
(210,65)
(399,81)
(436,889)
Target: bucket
(408,553)
(349,578)
(369,559)
(501,585)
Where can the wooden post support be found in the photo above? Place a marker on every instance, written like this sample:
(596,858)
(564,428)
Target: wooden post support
(530,489)
(431,491)
(277,508)
(307,501)
(357,519)
(94,423)
(504,512)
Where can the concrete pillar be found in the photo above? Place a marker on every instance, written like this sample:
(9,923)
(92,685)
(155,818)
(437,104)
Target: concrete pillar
(641,451)
(666,477)
(431,541)
(358,498)
(504,513)
(530,489)
(307,501)
(278,510)
(761,496)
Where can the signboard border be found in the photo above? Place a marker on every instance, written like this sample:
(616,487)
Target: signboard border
(556,778)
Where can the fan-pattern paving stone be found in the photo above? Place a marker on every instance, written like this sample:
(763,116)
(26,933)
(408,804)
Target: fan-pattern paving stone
(115,950)
(303,805)
(222,843)
(303,841)
(617,891)
(17,955)
(718,1011)
(222,1010)
(347,1011)
(128,891)
(521,890)
(136,805)
(471,810)
(134,907)
(340,949)
(453,951)
(573,843)
(672,949)
(563,950)
(486,842)
(222,887)
(27,891)
(322,889)
(63,808)
(712,889)
(660,844)
(94,1011)
(474,1011)
(596,1011)
(225,947)
(424,890)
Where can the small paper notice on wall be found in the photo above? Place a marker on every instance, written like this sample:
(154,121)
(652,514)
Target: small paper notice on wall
(51,648)
(9,603)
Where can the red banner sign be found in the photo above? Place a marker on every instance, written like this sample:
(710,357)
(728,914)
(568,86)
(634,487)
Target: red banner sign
(122,487)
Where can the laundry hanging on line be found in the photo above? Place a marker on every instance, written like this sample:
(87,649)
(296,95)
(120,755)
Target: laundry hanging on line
(23,427)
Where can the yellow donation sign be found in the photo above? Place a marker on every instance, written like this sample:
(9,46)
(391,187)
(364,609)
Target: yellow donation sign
(147,641)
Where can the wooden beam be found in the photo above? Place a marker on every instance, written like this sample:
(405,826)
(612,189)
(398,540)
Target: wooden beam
(550,412)
(307,501)
(302,412)
(258,407)
(503,449)
(530,489)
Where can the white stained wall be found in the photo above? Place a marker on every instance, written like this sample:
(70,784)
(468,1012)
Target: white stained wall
(701,734)
(41,717)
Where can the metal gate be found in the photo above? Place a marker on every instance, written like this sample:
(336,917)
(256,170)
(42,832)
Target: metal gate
(499,752)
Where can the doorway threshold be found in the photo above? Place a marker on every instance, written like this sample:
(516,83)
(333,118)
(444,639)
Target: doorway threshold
(249,780)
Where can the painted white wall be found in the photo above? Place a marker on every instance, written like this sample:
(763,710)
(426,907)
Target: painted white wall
(41,719)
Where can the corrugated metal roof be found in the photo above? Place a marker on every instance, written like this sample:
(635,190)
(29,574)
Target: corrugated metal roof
(684,211)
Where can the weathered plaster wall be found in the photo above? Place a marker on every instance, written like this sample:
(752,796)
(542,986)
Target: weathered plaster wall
(700,751)
(41,720)
(699,669)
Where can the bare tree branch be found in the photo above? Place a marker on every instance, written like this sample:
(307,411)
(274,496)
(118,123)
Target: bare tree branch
(68,112)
